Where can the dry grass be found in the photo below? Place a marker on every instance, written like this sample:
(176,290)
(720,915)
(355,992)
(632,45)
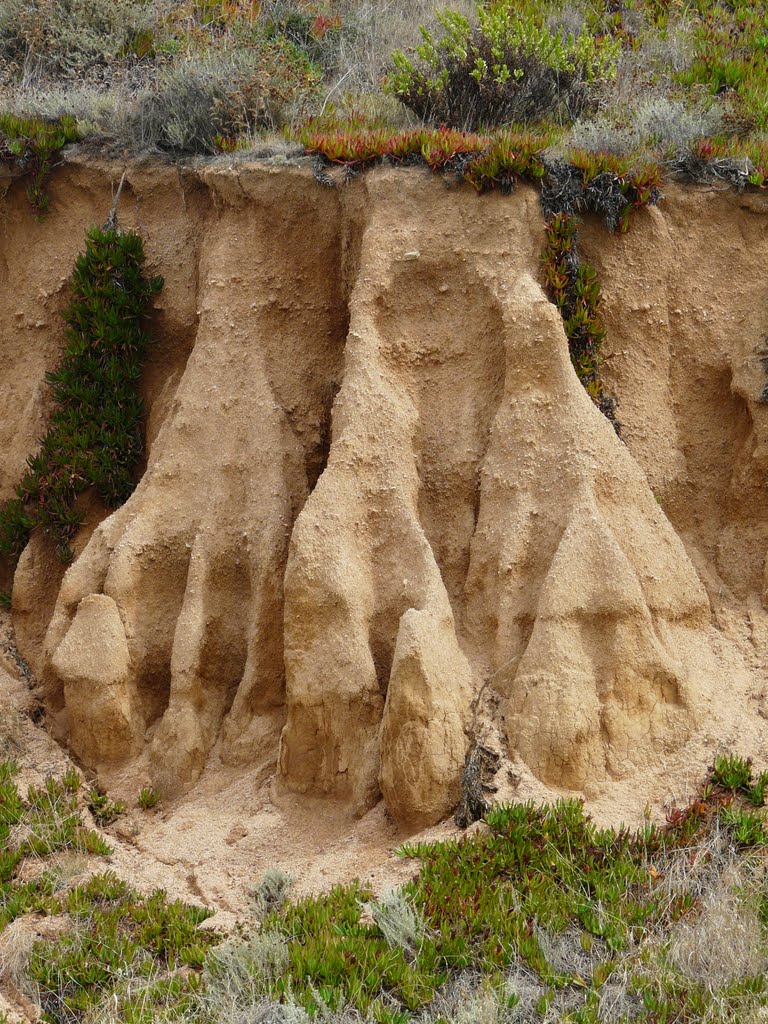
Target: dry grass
(375,29)
(725,942)
(11,730)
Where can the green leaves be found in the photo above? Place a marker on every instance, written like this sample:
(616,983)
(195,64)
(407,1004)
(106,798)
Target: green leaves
(734,773)
(104,811)
(512,67)
(95,437)
(575,290)
(29,144)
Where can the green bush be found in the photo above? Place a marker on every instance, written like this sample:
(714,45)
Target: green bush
(511,68)
(95,438)
(68,37)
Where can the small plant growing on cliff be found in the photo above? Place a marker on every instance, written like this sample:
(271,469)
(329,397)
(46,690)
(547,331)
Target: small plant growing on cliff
(731,772)
(148,798)
(574,288)
(271,891)
(28,145)
(95,438)
(104,810)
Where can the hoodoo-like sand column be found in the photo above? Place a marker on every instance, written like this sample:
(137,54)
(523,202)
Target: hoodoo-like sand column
(381,518)
(192,565)
(470,468)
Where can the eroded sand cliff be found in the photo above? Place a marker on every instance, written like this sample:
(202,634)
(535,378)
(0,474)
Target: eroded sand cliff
(381,517)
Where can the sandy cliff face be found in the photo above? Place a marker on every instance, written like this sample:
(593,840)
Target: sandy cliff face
(380,516)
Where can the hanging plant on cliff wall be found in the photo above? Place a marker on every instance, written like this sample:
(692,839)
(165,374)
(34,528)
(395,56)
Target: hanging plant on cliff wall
(575,290)
(95,438)
(28,146)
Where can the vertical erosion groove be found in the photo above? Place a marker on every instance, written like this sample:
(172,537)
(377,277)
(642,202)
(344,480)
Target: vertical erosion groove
(443,334)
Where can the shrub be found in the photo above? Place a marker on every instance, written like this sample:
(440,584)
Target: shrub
(271,891)
(68,37)
(239,972)
(672,125)
(197,105)
(511,68)
(602,136)
(398,921)
(95,438)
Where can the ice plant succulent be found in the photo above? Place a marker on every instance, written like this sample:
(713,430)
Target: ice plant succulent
(95,438)
(574,288)
(27,145)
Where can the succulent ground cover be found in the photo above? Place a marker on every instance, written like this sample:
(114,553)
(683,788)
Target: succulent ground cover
(28,145)
(546,912)
(141,949)
(537,915)
(110,931)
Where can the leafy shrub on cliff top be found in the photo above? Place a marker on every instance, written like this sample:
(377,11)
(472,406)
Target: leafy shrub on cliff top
(69,37)
(95,438)
(511,68)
